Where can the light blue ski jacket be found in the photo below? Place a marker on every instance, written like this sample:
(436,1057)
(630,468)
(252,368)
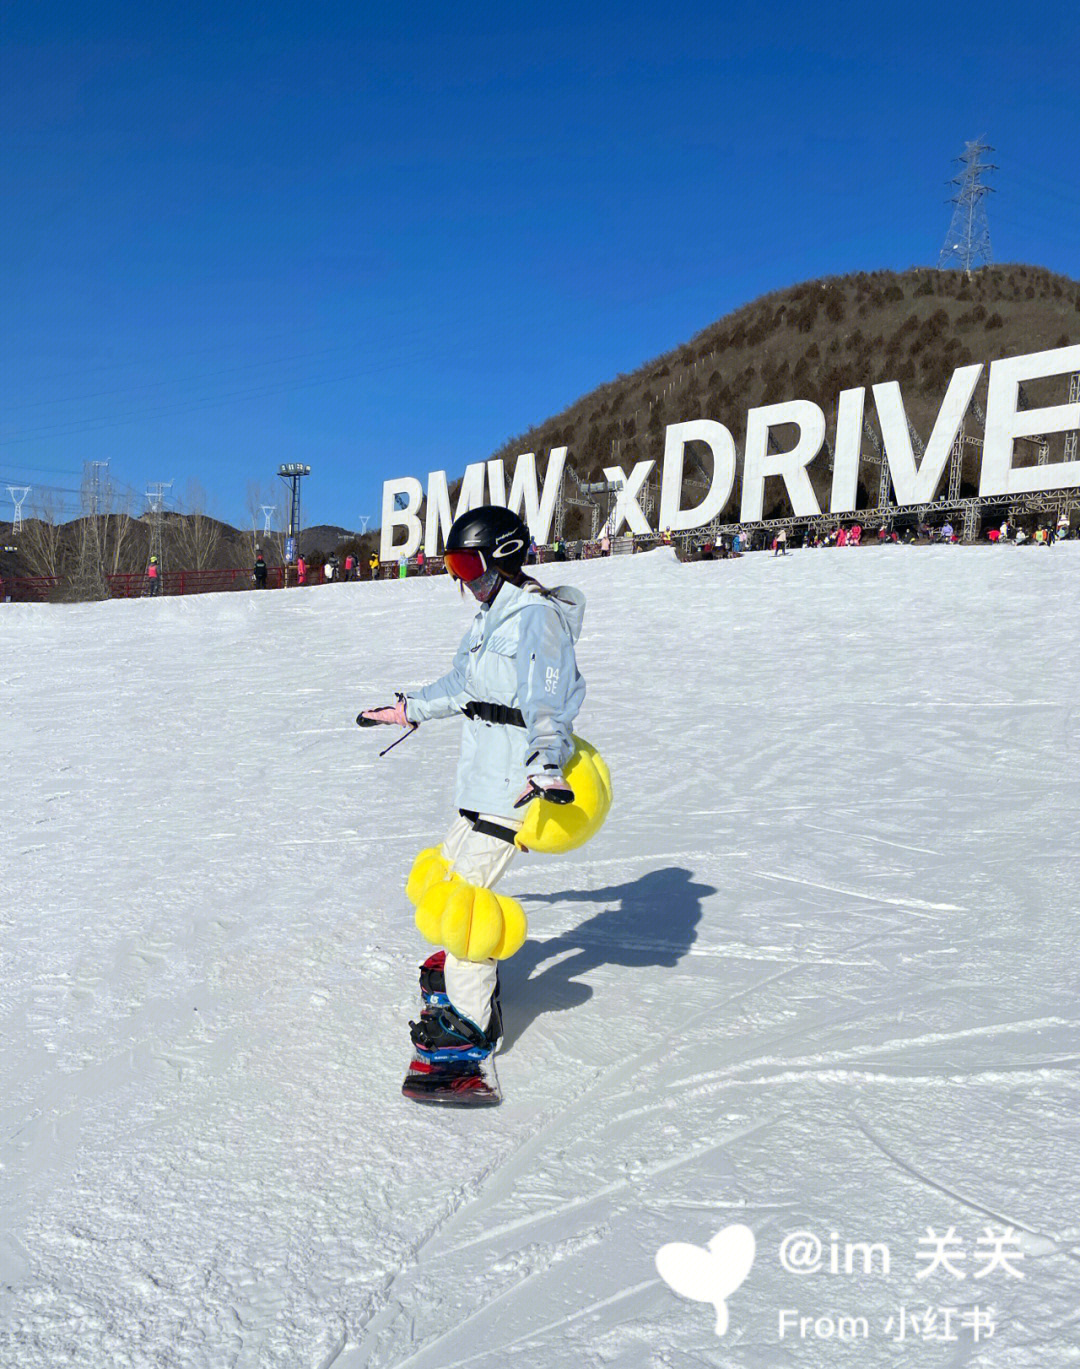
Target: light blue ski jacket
(519,652)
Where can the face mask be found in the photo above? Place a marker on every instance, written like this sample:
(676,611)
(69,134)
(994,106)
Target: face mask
(485,587)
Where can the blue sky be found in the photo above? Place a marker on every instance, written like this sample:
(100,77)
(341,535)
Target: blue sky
(385,243)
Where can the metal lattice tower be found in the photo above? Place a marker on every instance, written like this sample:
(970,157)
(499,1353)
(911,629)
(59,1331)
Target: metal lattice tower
(268,512)
(18,495)
(97,500)
(1070,436)
(884,496)
(968,242)
(583,499)
(956,462)
(155,497)
(97,487)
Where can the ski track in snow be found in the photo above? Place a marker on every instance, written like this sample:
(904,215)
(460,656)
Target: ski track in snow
(817,973)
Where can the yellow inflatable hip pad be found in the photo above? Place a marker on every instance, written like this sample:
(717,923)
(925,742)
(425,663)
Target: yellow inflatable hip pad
(554,827)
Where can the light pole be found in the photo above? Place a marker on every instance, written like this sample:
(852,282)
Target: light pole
(292,472)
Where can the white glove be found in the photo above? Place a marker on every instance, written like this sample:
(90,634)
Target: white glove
(545,784)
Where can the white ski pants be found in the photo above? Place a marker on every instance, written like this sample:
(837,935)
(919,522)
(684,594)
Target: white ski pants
(479,859)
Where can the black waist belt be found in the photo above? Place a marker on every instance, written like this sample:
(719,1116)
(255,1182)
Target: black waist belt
(489,829)
(494,713)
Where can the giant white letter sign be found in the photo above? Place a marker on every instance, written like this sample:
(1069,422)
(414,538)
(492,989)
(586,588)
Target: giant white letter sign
(849,427)
(1004,424)
(408,517)
(790,466)
(536,509)
(470,496)
(627,508)
(917,485)
(674,518)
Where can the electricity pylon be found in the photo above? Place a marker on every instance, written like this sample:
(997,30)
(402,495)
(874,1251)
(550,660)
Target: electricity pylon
(18,494)
(968,241)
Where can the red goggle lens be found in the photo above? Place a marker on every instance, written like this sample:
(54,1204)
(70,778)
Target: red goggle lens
(465,565)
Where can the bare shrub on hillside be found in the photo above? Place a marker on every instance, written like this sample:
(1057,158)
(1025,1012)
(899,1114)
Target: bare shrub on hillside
(196,535)
(120,553)
(42,544)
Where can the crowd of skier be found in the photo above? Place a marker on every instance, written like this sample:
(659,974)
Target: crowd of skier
(854,534)
(334,569)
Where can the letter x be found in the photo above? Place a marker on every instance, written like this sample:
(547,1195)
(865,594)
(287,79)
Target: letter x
(627,508)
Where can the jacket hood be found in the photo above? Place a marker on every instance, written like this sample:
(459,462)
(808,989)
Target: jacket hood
(568,603)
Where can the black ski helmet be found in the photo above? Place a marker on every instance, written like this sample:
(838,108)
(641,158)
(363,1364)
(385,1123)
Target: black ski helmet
(500,535)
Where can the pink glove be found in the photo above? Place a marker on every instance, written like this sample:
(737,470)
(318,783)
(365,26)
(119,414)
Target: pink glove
(545,785)
(393,714)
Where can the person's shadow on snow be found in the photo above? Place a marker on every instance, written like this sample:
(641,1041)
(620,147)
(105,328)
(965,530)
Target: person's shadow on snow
(652,922)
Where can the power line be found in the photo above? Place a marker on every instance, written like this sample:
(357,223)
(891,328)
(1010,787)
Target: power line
(52,489)
(176,380)
(79,426)
(292,332)
(167,359)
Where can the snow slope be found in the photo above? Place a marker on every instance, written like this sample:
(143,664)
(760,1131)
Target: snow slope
(818,973)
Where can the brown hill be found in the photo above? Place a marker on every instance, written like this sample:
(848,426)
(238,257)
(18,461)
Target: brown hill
(810,342)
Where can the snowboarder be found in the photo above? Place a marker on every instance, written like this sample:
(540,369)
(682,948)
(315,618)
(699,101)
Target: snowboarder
(515,679)
(260,570)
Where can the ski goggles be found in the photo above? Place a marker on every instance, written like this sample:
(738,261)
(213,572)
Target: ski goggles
(465,565)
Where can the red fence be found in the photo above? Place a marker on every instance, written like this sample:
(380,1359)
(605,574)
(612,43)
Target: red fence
(42,588)
(137,585)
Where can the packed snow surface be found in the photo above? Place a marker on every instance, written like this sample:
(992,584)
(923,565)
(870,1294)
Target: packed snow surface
(817,974)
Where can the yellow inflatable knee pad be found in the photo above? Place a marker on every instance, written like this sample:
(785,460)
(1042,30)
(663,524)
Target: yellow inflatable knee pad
(428,868)
(555,827)
(472,923)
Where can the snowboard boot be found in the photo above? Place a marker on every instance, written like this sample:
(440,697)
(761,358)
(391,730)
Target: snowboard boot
(435,999)
(433,981)
(495,1024)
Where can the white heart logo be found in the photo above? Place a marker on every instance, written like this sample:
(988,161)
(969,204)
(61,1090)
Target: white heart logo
(712,1273)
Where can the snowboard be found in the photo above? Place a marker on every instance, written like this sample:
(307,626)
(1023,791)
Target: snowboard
(452,1083)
